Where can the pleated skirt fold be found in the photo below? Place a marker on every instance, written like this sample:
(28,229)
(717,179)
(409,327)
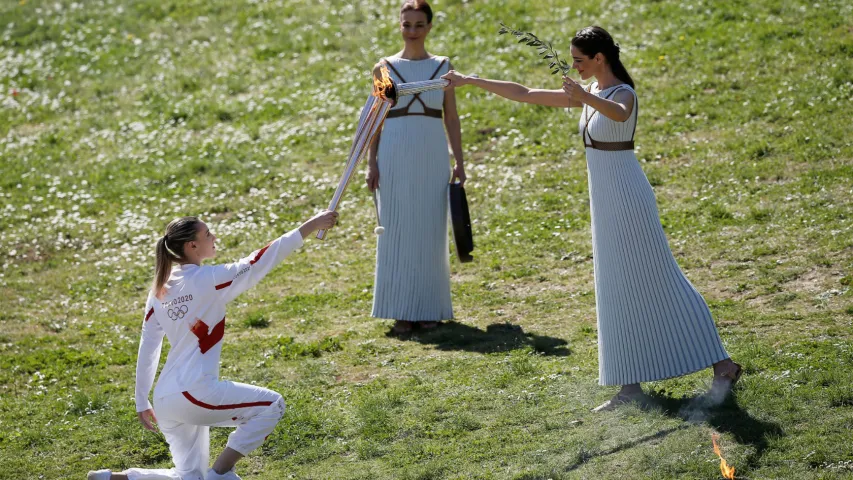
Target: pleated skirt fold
(412,279)
(652,323)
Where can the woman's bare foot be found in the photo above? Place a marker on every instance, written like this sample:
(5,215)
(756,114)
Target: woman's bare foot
(627,394)
(726,375)
(727,368)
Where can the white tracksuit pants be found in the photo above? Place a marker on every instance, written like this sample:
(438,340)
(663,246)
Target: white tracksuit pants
(185,419)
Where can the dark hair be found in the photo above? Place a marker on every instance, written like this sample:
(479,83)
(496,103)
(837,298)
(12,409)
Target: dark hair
(170,248)
(417,6)
(592,40)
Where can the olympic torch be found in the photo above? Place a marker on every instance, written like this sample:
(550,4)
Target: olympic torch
(385,95)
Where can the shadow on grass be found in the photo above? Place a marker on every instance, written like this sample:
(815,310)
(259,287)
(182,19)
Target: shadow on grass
(726,417)
(498,337)
(585,456)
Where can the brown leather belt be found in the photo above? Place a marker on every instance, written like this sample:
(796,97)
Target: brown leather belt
(611,146)
(404,112)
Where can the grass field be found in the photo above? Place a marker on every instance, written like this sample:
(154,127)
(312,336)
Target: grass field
(117,116)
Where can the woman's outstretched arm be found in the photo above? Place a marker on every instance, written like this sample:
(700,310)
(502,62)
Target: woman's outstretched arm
(513,91)
(231,279)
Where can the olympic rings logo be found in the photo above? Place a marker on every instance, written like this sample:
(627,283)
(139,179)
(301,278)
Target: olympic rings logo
(178,313)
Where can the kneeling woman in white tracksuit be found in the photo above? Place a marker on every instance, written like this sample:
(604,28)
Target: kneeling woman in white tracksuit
(187,304)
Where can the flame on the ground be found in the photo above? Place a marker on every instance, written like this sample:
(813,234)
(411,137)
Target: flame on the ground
(381,84)
(725,469)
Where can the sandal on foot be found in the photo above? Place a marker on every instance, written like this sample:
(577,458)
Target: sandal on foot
(732,376)
(735,376)
(618,400)
(722,384)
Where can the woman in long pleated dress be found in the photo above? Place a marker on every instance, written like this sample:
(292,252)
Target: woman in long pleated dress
(409,165)
(652,323)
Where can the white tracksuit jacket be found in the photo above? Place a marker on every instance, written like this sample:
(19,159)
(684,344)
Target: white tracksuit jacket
(192,315)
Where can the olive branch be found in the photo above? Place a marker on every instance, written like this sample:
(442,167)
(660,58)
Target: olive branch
(546,50)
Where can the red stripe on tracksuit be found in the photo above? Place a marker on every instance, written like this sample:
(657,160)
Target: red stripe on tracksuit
(251,262)
(259,255)
(208,406)
(150,312)
(206,340)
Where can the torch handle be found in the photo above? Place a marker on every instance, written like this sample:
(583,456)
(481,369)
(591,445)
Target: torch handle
(411,88)
(368,127)
(376,209)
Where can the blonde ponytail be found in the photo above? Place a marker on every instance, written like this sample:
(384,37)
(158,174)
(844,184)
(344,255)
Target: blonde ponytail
(170,249)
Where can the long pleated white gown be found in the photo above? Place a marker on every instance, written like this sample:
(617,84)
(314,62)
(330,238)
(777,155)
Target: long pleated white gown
(412,256)
(652,323)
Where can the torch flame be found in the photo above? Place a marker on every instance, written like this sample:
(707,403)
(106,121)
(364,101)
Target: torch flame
(381,84)
(725,469)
